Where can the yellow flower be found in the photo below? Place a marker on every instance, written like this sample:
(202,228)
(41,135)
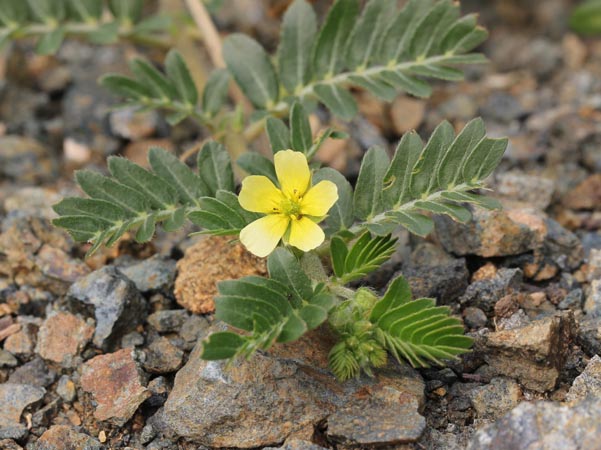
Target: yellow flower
(292,211)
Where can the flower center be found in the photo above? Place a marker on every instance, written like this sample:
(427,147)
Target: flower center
(291,207)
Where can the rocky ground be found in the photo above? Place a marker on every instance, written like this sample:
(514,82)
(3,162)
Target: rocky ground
(102,354)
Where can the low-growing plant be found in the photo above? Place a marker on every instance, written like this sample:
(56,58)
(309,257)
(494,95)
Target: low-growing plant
(321,235)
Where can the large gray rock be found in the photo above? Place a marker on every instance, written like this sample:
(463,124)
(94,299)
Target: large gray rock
(152,274)
(587,385)
(116,304)
(288,391)
(543,425)
(485,293)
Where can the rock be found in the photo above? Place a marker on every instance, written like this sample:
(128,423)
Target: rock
(31,202)
(211,260)
(133,339)
(485,293)
(137,151)
(169,320)
(503,107)
(534,354)
(114,381)
(543,425)
(592,305)
(159,387)
(62,437)
(62,337)
(407,113)
(9,444)
(573,300)
(193,329)
(133,125)
(535,190)
(276,394)
(25,160)
(152,274)
(37,254)
(388,417)
(474,317)
(34,373)
(22,342)
(587,195)
(587,385)
(488,234)
(433,273)
(7,359)
(66,389)
(297,444)
(519,319)
(14,398)
(117,304)
(163,357)
(493,400)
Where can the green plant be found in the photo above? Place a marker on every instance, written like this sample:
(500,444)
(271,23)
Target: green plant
(310,268)
(586,18)
(99,21)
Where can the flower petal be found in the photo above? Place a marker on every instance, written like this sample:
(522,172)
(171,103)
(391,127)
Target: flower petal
(305,234)
(259,194)
(293,172)
(319,199)
(262,236)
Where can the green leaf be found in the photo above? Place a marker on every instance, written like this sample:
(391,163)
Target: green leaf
(341,215)
(376,85)
(48,11)
(75,206)
(417,331)
(250,66)
(107,33)
(49,43)
(407,83)
(146,231)
(338,100)
(222,345)
(179,74)
(125,87)
(470,41)
(255,164)
(152,24)
(423,180)
(369,32)
(157,192)
(338,253)
(300,129)
(399,32)
(299,28)
(331,42)
(426,33)
(127,11)
(285,268)
(416,223)
(458,213)
(478,200)
(221,215)
(215,93)
(104,188)
(449,173)
(188,185)
(14,12)
(586,18)
(161,87)
(484,159)
(86,10)
(367,201)
(81,228)
(364,256)
(397,180)
(215,168)
(457,32)
(278,134)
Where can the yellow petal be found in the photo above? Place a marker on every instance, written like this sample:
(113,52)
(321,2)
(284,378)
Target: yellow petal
(305,234)
(320,198)
(259,194)
(262,236)
(293,172)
